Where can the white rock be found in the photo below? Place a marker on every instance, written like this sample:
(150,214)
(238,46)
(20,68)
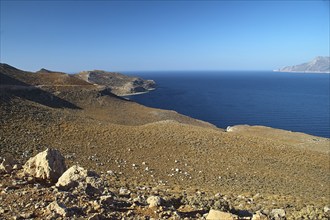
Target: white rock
(259,216)
(72,177)
(326,209)
(154,201)
(47,165)
(124,192)
(277,213)
(219,215)
(110,172)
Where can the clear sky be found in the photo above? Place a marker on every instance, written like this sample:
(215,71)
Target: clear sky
(73,36)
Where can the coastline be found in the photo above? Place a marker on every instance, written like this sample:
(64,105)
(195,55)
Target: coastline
(137,93)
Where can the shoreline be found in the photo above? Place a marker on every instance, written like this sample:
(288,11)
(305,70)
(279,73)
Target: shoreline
(137,93)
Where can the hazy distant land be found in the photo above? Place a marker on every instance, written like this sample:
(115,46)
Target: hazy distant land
(317,65)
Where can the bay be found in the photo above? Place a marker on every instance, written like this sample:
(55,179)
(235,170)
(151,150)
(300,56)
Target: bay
(291,101)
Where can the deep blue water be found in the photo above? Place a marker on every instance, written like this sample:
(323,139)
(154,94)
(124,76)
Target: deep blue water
(290,101)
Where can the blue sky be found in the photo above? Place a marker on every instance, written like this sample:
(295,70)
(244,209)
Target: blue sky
(72,36)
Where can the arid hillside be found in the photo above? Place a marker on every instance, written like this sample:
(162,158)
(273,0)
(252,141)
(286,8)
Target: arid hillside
(257,168)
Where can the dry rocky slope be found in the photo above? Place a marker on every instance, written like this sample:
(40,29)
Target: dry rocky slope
(191,165)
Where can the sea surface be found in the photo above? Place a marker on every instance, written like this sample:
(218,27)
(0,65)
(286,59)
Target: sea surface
(291,101)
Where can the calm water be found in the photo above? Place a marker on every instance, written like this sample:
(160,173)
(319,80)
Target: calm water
(291,101)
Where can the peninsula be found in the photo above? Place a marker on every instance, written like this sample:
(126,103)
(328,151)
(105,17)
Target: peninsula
(317,65)
(119,84)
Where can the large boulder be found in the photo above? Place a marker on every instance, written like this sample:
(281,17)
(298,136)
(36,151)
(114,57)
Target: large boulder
(72,177)
(48,165)
(219,215)
(154,201)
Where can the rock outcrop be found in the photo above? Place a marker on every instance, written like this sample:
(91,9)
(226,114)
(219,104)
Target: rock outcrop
(48,165)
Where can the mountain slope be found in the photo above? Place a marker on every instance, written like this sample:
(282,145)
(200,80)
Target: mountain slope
(42,77)
(317,65)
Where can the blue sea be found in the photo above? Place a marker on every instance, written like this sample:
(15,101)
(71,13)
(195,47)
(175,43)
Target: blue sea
(291,101)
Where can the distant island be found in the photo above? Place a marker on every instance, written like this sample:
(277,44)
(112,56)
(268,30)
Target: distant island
(317,65)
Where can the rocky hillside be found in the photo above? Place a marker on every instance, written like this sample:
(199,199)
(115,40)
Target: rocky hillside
(192,166)
(44,188)
(317,65)
(118,83)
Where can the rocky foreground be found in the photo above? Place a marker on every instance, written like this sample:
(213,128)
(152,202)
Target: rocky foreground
(43,188)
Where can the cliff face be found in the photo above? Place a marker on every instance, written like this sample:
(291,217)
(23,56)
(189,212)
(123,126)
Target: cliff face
(118,83)
(317,65)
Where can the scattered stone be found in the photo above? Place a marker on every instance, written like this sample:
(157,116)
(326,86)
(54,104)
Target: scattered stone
(17,167)
(58,208)
(277,213)
(124,192)
(110,172)
(106,200)
(219,215)
(71,178)
(26,215)
(154,201)
(259,216)
(47,165)
(95,216)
